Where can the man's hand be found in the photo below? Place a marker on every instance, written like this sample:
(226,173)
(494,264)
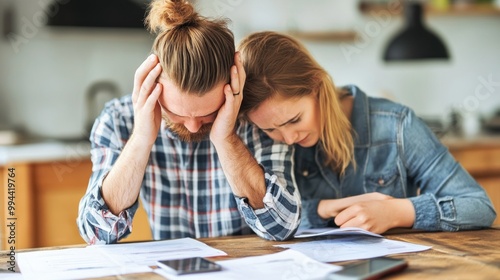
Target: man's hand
(244,174)
(147,111)
(224,124)
(120,189)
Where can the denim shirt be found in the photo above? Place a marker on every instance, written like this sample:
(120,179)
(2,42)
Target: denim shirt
(398,155)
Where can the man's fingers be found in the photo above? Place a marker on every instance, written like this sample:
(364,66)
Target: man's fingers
(238,75)
(228,91)
(152,100)
(235,83)
(241,71)
(142,72)
(149,84)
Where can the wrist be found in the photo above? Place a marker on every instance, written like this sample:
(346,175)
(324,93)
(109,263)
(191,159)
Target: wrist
(323,209)
(230,140)
(404,211)
(139,144)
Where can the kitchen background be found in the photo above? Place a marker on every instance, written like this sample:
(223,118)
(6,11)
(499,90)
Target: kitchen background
(55,79)
(46,72)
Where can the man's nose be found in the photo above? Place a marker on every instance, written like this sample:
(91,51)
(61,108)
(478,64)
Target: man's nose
(193,125)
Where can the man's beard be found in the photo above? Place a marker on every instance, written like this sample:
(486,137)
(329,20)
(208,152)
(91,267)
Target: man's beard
(185,135)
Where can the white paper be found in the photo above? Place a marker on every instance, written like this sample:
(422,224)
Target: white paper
(147,253)
(353,248)
(76,263)
(288,264)
(104,260)
(303,233)
(11,276)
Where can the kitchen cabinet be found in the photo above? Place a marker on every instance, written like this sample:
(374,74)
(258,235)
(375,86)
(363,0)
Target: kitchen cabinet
(47,193)
(18,235)
(472,9)
(480,156)
(47,196)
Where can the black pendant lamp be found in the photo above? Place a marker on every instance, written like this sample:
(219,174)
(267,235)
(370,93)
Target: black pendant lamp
(415,41)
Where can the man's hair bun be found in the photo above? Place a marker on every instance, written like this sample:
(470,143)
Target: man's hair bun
(168,14)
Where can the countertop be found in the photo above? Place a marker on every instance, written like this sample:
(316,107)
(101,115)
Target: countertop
(456,142)
(45,151)
(77,150)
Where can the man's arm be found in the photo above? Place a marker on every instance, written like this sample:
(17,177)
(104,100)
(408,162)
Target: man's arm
(121,187)
(264,179)
(96,223)
(106,211)
(240,167)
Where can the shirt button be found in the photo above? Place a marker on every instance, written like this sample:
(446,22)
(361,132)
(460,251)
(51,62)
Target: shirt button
(381,181)
(305,173)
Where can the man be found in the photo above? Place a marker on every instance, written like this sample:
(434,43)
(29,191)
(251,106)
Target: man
(174,143)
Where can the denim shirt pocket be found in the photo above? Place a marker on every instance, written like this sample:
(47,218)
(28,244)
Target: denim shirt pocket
(384,181)
(308,177)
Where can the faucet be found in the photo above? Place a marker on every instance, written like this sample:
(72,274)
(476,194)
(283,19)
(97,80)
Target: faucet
(94,105)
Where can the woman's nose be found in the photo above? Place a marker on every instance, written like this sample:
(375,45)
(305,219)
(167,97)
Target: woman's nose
(289,137)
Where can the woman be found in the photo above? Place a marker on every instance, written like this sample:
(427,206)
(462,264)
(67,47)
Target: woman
(359,161)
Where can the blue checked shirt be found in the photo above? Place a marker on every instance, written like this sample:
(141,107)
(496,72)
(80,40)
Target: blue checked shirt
(184,191)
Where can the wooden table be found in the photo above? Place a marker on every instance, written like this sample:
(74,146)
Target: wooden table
(454,255)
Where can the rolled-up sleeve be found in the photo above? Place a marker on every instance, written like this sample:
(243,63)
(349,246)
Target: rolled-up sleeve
(280,217)
(96,223)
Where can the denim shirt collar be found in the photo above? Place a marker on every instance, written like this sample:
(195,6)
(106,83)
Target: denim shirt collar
(360,117)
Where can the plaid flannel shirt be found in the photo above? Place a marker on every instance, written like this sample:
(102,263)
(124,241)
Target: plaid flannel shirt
(184,191)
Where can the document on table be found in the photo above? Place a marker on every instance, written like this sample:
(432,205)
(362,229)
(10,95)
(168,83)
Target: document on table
(353,248)
(147,253)
(104,260)
(288,264)
(77,263)
(333,231)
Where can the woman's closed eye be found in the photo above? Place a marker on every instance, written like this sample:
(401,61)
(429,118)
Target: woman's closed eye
(292,121)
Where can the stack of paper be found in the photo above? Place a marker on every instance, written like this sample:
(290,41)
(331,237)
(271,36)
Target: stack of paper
(333,231)
(303,261)
(288,264)
(105,260)
(360,244)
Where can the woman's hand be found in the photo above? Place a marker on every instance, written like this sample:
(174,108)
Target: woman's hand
(374,212)
(378,216)
(224,124)
(330,208)
(147,111)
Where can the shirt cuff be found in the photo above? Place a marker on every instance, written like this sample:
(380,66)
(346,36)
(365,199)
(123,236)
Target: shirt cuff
(311,219)
(426,212)
(251,218)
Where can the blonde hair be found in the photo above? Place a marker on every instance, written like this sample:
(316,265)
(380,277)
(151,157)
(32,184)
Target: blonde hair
(196,53)
(277,64)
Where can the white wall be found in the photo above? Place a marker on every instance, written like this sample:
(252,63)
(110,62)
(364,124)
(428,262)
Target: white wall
(43,83)
(430,88)
(47,71)
(3,98)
